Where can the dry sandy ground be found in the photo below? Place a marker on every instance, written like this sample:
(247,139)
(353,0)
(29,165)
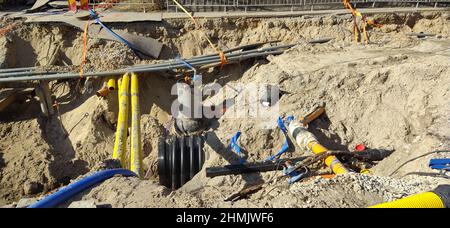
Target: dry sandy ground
(393,93)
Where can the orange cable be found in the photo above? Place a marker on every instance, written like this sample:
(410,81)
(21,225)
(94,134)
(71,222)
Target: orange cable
(85,40)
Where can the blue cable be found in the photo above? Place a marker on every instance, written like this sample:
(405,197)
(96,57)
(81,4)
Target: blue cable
(234,146)
(285,147)
(442,164)
(128,44)
(73,189)
(188,65)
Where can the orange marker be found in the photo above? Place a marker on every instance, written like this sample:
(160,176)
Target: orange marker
(72,5)
(84,4)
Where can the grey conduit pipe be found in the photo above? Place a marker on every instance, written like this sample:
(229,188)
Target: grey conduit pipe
(150,68)
(9,70)
(27,71)
(167,63)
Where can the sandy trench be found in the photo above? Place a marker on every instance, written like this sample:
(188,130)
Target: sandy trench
(393,93)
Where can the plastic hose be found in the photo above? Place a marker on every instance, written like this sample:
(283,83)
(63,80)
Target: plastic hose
(111,84)
(73,189)
(439,198)
(120,145)
(136,147)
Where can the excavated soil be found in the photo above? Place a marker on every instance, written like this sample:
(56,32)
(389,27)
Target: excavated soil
(392,93)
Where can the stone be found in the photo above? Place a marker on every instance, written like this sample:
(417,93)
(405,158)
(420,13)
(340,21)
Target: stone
(31,188)
(83,204)
(25,202)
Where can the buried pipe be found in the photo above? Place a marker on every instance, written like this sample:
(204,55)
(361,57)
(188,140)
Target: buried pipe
(167,65)
(307,140)
(120,144)
(237,169)
(438,198)
(216,57)
(136,147)
(22,69)
(150,68)
(15,75)
(26,73)
(75,188)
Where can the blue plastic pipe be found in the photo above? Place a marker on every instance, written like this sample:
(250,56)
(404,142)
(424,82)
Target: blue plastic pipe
(73,189)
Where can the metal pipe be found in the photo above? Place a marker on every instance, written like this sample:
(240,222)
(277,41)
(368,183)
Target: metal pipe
(16,72)
(170,62)
(9,70)
(120,145)
(150,68)
(136,148)
(216,57)
(26,73)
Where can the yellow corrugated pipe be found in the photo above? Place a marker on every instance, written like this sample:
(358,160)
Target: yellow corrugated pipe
(120,145)
(421,200)
(307,140)
(136,150)
(111,84)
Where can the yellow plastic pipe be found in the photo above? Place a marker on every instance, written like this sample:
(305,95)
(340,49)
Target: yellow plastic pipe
(119,81)
(421,200)
(120,145)
(331,161)
(136,148)
(111,84)
(307,140)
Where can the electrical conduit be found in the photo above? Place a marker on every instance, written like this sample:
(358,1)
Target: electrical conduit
(73,189)
(120,144)
(136,148)
(112,84)
(438,198)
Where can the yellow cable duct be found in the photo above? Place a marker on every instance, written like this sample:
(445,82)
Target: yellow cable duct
(307,140)
(136,147)
(438,198)
(111,84)
(120,145)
